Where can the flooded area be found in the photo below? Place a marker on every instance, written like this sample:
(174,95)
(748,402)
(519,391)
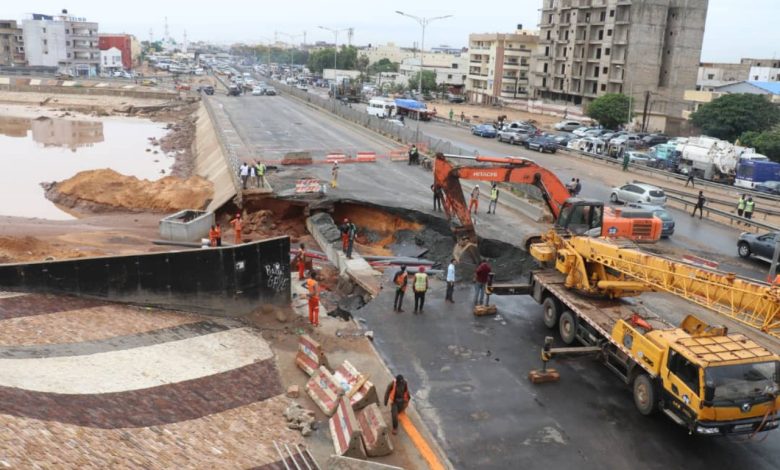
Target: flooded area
(46,149)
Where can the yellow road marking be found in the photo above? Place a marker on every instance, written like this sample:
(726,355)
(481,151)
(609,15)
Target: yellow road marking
(420,442)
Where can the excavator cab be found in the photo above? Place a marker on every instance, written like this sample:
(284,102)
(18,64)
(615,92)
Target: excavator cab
(581,217)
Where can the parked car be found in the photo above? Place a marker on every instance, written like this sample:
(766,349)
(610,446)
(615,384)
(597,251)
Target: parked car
(520,126)
(395,122)
(234,90)
(301,86)
(638,193)
(257,91)
(567,125)
(639,157)
(760,246)
(207,89)
(270,91)
(580,131)
(542,143)
(484,130)
(626,139)
(769,187)
(611,135)
(455,98)
(513,136)
(563,139)
(654,139)
(659,212)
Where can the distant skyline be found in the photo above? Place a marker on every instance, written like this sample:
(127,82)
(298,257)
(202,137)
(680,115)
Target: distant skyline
(734,29)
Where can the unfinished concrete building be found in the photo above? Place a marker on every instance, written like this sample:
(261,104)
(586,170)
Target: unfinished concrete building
(648,50)
(499,65)
(11,43)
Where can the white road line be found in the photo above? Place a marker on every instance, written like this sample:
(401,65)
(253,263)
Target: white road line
(137,368)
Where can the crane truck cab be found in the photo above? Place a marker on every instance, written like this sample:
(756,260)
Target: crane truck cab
(581,217)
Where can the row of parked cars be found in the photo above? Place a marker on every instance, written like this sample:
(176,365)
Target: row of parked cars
(519,133)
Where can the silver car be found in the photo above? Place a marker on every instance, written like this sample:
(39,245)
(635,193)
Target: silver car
(638,193)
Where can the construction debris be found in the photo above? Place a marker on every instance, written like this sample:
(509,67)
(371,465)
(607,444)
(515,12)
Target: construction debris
(300,418)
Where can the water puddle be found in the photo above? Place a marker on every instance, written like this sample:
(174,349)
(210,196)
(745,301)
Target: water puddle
(48,149)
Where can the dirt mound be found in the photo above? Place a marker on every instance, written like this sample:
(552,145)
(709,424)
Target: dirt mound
(20,249)
(106,190)
(265,223)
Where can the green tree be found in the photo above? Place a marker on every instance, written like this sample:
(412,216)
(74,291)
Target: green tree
(428,81)
(732,115)
(610,110)
(766,143)
(383,65)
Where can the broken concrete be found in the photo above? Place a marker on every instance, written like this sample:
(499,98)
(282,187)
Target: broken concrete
(300,418)
(336,462)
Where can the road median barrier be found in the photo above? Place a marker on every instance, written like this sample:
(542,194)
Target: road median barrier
(359,389)
(345,431)
(323,389)
(366,157)
(336,158)
(310,355)
(373,428)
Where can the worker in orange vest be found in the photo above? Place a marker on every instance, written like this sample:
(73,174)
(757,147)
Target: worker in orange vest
(213,236)
(401,280)
(218,233)
(313,288)
(397,394)
(345,235)
(301,257)
(474,200)
(237,224)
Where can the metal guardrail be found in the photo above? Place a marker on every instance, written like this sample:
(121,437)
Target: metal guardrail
(732,218)
(757,210)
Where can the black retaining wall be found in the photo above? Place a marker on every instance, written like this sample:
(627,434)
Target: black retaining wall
(227,281)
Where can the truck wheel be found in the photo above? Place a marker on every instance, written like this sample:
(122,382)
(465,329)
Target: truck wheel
(567,327)
(644,395)
(744,250)
(550,312)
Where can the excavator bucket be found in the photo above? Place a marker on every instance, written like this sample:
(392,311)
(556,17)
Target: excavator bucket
(466,251)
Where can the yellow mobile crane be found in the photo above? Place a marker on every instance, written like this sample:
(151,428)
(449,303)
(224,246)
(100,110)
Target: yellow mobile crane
(700,376)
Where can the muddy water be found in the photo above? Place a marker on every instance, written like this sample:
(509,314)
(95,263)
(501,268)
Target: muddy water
(47,149)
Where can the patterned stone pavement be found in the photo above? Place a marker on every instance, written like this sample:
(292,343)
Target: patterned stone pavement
(89,384)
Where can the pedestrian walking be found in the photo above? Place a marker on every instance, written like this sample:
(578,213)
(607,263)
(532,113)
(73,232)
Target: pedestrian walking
(313,289)
(219,234)
(462,116)
(300,258)
(626,158)
(252,176)
(493,199)
(450,281)
(420,287)
(243,172)
(690,180)
(481,275)
(213,236)
(577,187)
(350,231)
(237,226)
(414,155)
(452,113)
(401,280)
(260,168)
(750,206)
(699,205)
(741,205)
(397,394)
(334,175)
(438,196)
(474,201)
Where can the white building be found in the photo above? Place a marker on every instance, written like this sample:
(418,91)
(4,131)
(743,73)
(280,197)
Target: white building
(449,69)
(764,74)
(63,41)
(111,60)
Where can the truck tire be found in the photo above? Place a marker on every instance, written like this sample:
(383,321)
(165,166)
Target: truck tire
(567,327)
(644,395)
(550,312)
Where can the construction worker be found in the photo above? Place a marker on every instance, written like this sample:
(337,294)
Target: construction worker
(438,196)
(626,159)
(452,113)
(481,275)
(243,172)
(414,156)
(237,226)
(301,258)
(313,289)
(344,235)
(749,207)
(350,231)
(474,201)
(420,287)
(400,279)
(260,168)
(699,205)
(252,176)
(218,233)
(741,205)
(397,394)
(334,175)
(450,281)
(213,236)
(493,199)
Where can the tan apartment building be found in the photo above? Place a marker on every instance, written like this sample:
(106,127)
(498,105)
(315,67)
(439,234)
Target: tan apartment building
(500,65)
(647,49)
(11,43)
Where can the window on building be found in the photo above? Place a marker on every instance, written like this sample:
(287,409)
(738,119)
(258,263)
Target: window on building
(601,34)
(755,77)
(603,16)
(449,77)
(547,51)
(44,32)
(549,19)
(564,52)
(604,70)
(595,71)
(598,53)
(544,83)
(67,43)
(566,35)
(587,17)
(563,69)
(544,68)
(454,66)
(594,88)
(611,13)
(603,87)
(609,32)
(710,76)
(45,42)
(607,51)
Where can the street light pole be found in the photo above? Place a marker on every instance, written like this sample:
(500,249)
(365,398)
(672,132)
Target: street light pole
(424,22)
(335,44)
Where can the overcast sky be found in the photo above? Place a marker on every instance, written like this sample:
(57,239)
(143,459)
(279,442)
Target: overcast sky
(735,28)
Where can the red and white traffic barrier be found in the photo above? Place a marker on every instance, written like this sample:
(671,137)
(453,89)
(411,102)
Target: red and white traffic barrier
(348,377)
(373,429)
(705,263)
(308,185)
(323,389)
(310,355)
(335,157)
(345,431)
(366,156)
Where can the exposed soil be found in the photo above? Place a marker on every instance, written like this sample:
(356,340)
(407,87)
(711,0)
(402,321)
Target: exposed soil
(106,190)
(21,249)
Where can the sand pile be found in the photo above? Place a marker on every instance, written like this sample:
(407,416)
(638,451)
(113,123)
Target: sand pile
(21,249)
(106,190)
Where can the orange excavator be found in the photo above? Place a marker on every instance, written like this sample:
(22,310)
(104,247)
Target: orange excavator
(575,215)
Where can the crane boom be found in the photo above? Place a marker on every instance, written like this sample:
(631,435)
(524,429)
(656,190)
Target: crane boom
(599,266)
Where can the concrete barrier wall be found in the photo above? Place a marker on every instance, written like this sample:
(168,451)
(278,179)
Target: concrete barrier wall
(228,281)
(23,85)
(187,226)
(211,162)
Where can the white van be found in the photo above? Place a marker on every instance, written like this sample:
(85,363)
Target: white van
(381,107)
